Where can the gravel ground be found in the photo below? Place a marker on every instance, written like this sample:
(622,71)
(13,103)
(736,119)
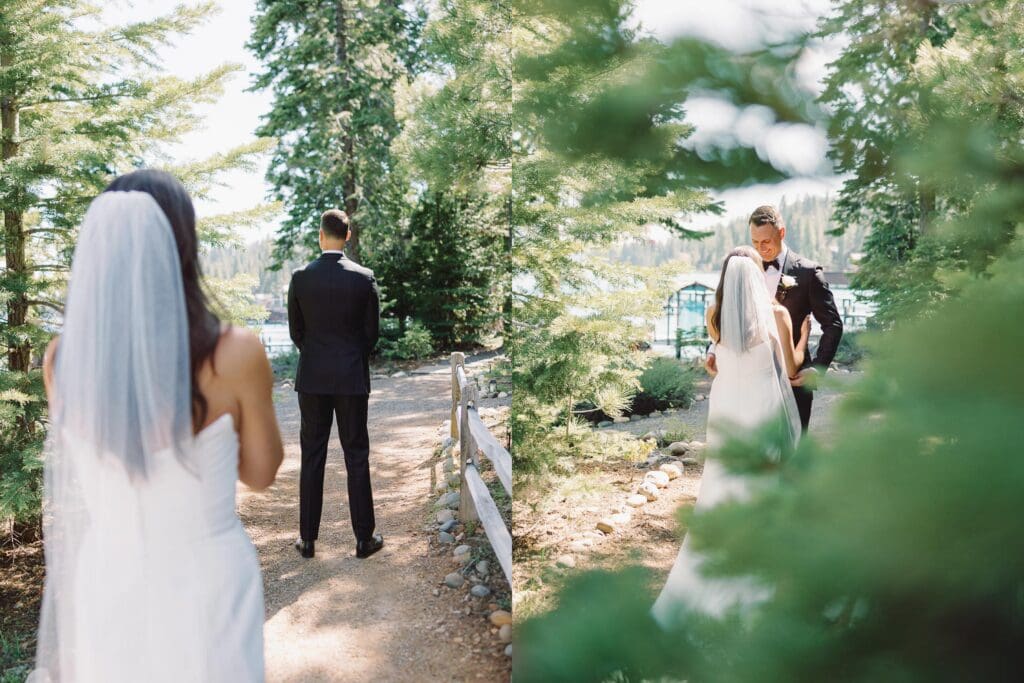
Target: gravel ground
(337,618)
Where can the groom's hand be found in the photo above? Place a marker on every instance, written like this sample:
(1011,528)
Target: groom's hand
(807,378)
(711,365)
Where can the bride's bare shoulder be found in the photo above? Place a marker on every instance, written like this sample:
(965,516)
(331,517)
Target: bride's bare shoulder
(239,351)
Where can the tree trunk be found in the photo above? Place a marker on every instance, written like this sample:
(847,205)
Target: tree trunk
(926,199)
(348,185)
(18,355)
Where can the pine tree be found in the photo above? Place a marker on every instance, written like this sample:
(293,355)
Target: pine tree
(80,102)
(333,67)
(902,72)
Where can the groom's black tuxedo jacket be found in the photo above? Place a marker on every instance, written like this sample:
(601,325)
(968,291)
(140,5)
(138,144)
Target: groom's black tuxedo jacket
(334,320)
(811,295)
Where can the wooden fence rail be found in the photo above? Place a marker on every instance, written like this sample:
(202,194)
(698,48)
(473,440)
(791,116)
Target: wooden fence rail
(475,501)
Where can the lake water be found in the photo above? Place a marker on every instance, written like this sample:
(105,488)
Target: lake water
(276,340)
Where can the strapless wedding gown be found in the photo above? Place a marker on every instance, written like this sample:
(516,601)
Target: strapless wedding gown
(167,581)
(745,393)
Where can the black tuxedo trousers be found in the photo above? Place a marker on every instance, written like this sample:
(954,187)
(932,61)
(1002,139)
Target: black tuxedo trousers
(318,413)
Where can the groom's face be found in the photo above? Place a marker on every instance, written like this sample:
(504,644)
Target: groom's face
(767,239)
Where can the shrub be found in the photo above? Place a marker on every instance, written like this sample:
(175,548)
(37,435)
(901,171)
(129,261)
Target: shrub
(415,344)
(851,350)
(665,383)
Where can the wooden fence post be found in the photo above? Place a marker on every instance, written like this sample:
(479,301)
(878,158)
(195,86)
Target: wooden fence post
(458,360)
(467,449)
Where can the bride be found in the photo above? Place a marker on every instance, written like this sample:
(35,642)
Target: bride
(756,358)
(156,409)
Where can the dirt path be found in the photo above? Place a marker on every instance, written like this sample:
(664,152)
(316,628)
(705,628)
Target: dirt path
(337,618)
(555,521)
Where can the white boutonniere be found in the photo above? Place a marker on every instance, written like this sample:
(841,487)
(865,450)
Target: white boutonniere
(786,283)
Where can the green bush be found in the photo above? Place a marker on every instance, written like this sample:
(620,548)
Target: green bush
(665,383)
(415,344)
(851,350)
(285,364)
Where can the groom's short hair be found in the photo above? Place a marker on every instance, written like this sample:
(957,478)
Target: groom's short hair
(334,223)
(767,215)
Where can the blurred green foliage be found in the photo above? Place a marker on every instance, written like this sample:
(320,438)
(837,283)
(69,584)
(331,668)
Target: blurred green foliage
(893,547)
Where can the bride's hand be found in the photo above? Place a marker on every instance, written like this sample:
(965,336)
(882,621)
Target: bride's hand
(805,328)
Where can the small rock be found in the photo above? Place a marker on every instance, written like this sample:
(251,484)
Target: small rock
(647,491)
(605,423)
(508,650)
(445,537)
(606,526)
(480,590)
(659,478)
(636,500)
(445,516)
(621,518)
(622,419)
(500,617)
(649,436)
(690,462)
(447,443)
(436,592)
(505,633)
(450,500)
(400,373)
(678,447)
(454,480)
(502,394)
(637,418)
(462,550)
(454,580)
(567,561)
(671,470)
(448,526)
(699,397)
(441,486)
(483,567)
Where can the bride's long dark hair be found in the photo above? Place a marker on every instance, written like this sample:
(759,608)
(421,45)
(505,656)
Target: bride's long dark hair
(736,252)
(203,325)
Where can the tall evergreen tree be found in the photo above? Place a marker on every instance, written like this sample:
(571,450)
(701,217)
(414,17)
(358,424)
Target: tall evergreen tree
(333,67)
(904,69)
(80,102)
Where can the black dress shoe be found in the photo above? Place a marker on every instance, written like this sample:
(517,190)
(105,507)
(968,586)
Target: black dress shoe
(305,548)
(369,546)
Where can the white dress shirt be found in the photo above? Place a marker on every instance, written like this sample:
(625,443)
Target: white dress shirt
(773,275)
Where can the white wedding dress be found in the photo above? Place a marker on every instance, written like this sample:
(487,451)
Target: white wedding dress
(751,388)
(150,575)
(129,620)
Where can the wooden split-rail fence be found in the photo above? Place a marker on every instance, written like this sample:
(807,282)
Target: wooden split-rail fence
(475,500)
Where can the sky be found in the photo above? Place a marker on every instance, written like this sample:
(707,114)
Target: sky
(733,23)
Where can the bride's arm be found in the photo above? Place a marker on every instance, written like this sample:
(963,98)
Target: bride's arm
(789,354)
(242,361)
(49,358)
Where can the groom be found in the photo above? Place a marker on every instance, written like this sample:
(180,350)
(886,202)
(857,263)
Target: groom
(333,318)
(799,285)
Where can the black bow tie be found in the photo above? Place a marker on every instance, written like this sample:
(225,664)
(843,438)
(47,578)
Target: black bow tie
(773,262)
